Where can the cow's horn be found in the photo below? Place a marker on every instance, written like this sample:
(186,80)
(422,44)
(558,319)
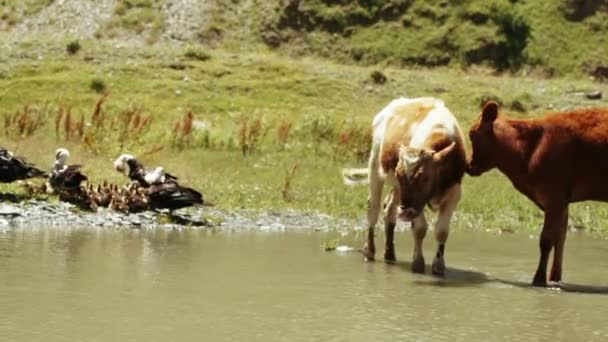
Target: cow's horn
(444,152)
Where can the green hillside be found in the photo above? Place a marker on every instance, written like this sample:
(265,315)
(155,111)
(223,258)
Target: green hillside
(550,37)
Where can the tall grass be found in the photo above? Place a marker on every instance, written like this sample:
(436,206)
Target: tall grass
(24,123)
(251,132)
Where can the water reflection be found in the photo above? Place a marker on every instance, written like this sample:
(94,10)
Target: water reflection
(88,284)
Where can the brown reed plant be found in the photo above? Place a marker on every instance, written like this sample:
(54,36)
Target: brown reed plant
(7,124)
(182,131)
(353,141)
(255,133)
(243,142)
(153,150)
(79,127)
(58,119)
(67,124)
(250,134)
(287,191)
(283,130)
(96,131)
(23,123)
(187,126)
(97,118)
(133,124)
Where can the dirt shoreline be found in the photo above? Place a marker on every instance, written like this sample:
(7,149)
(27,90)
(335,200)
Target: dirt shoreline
(61,214)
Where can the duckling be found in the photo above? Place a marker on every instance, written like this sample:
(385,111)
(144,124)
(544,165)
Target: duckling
(137,202)
(30,189)
(118,200)
(104,195)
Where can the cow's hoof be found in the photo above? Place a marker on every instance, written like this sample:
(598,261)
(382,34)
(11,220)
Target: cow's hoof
(438,268)
(368,253)
(389,256)
(540,279)
(539,282)
(555,277)
(418,265)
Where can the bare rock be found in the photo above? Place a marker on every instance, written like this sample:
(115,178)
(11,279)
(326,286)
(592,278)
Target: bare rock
(594,95)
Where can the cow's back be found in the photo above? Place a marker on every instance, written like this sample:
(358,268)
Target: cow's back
(571,148)
(419,122)
(398,117)
(587,130)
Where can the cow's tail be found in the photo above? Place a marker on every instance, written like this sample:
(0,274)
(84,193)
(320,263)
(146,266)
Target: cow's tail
(355,176)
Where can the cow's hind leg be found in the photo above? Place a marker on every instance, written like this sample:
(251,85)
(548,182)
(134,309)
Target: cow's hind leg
(419,227)
(555,219)
(446,209)
(374,204)
(558,251)
(389,226)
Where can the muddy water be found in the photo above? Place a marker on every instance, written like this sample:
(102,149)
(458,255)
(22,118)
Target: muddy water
(103,285)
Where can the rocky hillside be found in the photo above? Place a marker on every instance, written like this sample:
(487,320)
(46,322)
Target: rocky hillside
(550,37)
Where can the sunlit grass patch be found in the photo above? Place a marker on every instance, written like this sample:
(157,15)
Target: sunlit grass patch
(141,17)
(236,125)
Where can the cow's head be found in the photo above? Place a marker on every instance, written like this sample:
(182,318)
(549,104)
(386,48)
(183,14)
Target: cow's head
(483,141)
(418,174)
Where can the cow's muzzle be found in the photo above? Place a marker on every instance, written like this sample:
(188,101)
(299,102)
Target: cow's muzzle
(473,171)
(407,214)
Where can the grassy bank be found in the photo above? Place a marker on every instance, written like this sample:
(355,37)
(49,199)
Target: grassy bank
(265,131)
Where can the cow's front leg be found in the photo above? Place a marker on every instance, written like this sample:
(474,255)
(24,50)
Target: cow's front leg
(389,226)
(442,226)
(419,227)
(374,204)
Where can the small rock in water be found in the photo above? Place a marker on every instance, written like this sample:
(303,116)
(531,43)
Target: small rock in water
(344,249)
(9,210)
(594,95)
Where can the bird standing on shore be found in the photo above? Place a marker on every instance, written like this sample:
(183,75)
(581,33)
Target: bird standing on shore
(65,178)
(14,168)
(173,196)
(138,173)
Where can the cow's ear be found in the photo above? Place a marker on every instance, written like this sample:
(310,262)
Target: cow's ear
(489,112)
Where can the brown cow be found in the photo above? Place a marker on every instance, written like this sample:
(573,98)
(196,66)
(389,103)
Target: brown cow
(418,148)
(554,161)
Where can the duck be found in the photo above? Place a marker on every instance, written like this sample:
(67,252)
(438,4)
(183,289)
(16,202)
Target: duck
(172,196)
(136,171)
(14,168)
(65,178)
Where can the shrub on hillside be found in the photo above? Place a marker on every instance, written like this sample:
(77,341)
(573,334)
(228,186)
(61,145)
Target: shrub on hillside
(73,47)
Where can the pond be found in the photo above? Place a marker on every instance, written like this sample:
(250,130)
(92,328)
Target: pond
(190,285)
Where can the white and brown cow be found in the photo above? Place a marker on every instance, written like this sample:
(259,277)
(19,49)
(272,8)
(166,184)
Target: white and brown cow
(418,148)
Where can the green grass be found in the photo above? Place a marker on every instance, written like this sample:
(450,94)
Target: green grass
(13,11)
(524,35)
(322,100)
(142,17)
